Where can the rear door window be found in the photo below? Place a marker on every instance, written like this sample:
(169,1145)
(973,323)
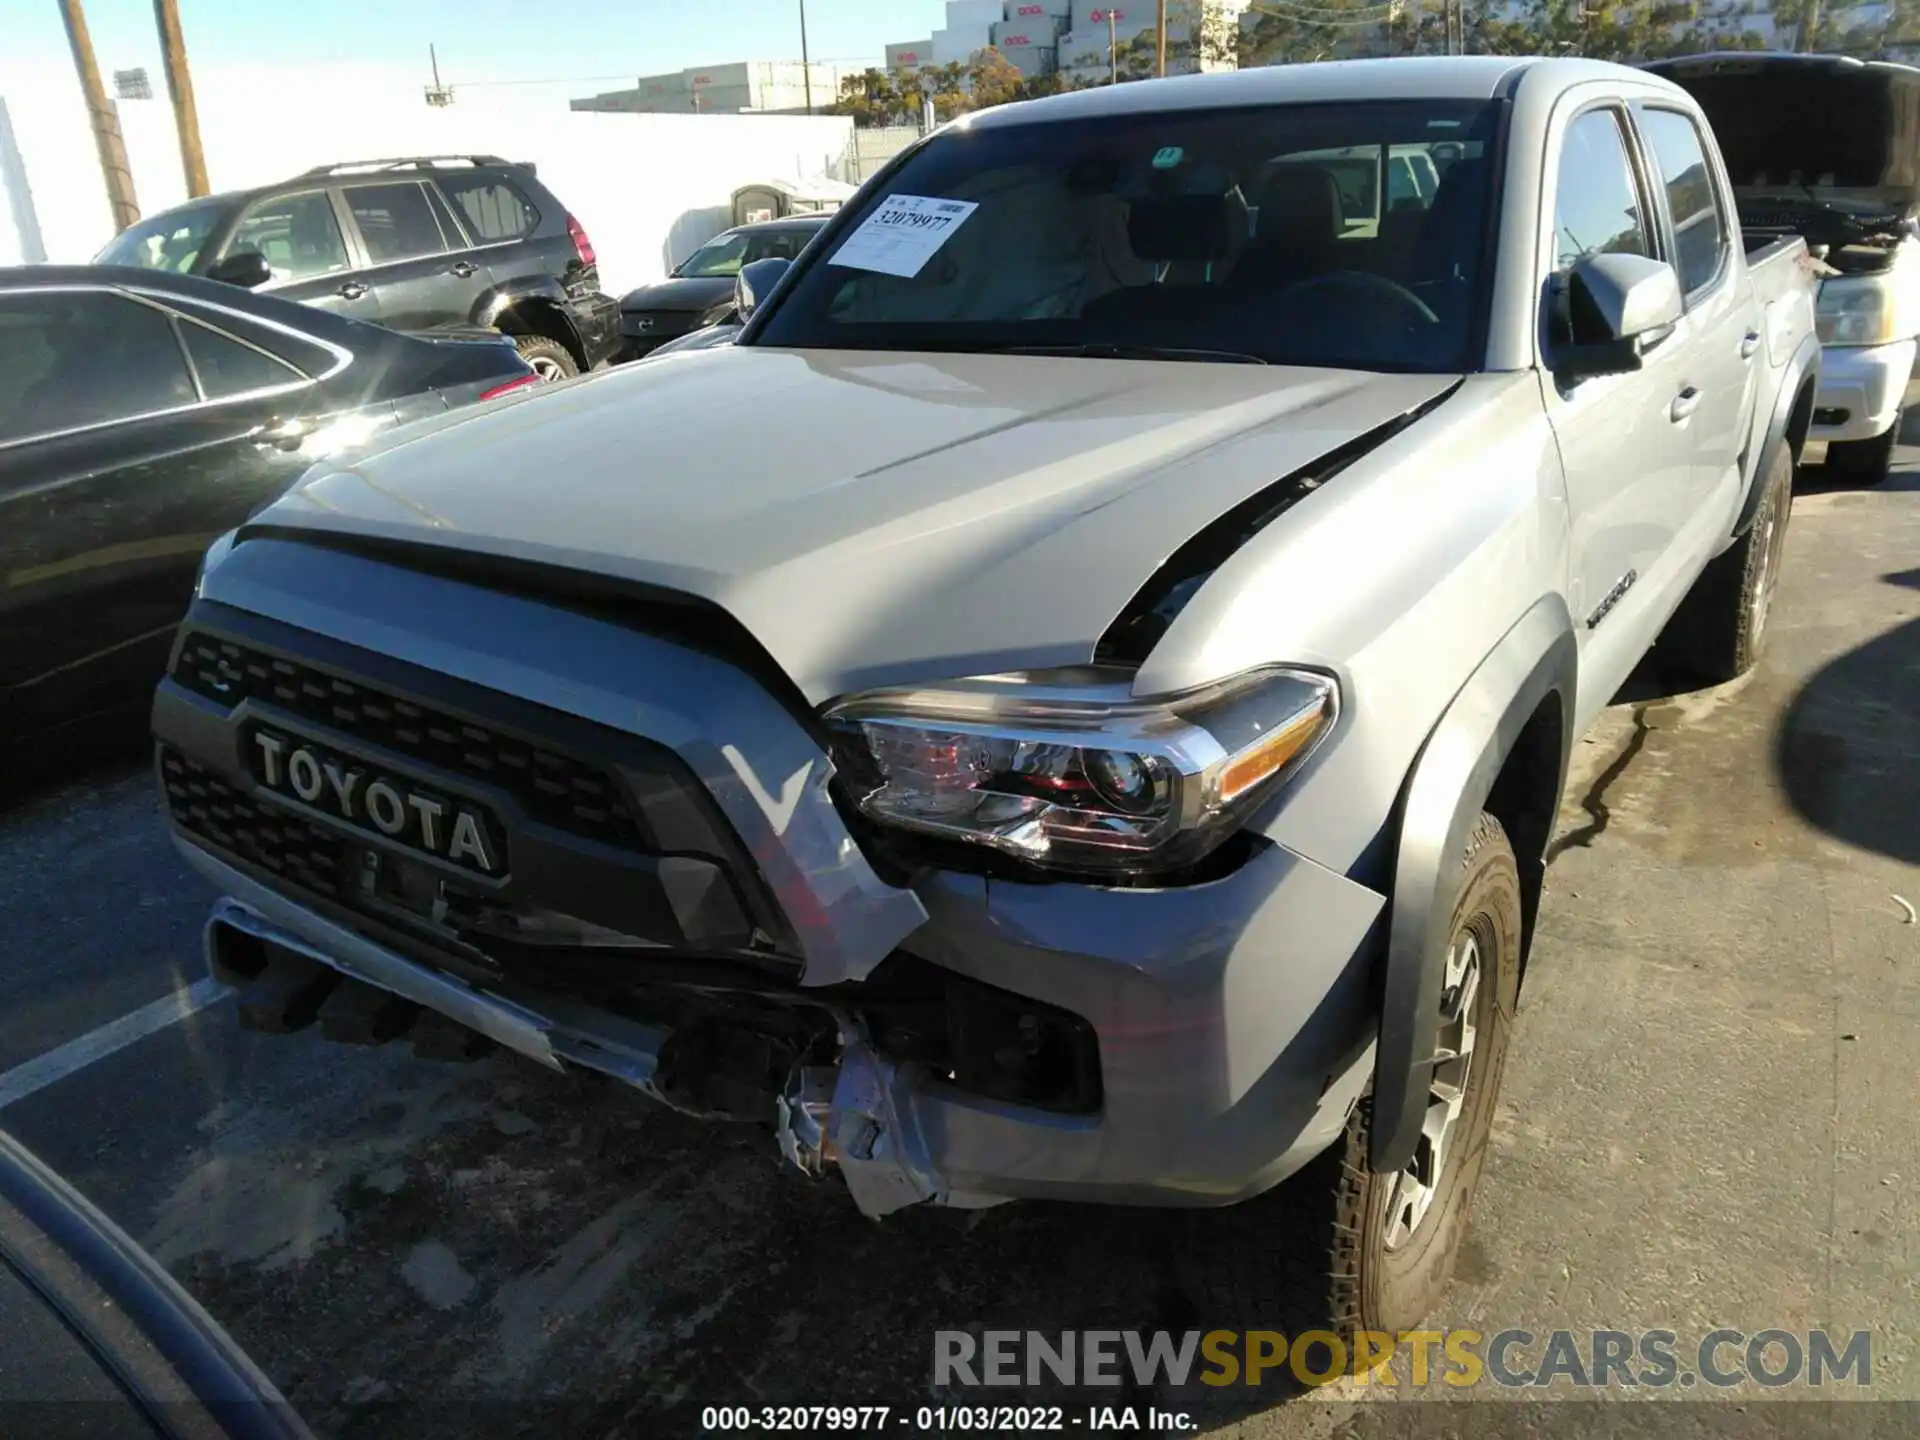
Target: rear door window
(1700,230)
(227,367)
(85,357)
(395,221)
(298,234)
(306,355)
(494,210)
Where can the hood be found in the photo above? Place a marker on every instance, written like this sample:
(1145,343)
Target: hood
(870,518)
(690,294)
(1843,129)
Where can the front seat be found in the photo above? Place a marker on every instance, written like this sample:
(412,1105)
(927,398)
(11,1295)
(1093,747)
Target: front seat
(1297,230)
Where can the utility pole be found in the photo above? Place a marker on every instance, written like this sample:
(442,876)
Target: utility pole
(1160,38)
(1113,55)
(806,68)
(186,120)
(106,120)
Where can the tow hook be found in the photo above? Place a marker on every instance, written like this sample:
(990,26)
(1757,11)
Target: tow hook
(852,1114)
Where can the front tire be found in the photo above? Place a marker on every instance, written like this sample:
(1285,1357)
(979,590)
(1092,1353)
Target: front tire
(1865,462)
(1341,1248)
(1720,629)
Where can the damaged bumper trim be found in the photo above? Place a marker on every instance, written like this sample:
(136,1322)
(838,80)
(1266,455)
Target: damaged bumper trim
(854,1114)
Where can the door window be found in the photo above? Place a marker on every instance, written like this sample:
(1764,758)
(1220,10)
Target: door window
(494,210)
(1700,228)
(305,355)
(395,222)
(227,368)
(84,357)
(297,234)
(1596,204)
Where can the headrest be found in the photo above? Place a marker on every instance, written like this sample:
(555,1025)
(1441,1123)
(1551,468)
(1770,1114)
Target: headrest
(1301,202)
(1178,227)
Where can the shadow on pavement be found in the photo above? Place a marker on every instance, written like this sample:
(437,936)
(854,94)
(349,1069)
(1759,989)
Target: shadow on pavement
(1848,747)
(42,765)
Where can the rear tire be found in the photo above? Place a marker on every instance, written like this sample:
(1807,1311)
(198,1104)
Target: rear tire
(1865,462)
(1338,1247)
(548,358)
(1720,629)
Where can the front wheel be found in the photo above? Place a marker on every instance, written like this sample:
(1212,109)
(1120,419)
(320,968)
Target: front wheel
(1342,1248)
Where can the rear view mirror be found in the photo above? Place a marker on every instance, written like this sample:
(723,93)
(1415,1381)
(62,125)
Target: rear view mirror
(245,268)
(755,282)
(1618,308)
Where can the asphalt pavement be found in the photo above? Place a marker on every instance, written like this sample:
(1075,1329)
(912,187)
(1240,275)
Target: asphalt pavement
(1708,1117)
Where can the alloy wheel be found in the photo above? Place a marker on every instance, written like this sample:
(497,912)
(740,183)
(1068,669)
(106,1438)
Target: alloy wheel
(1416,1187)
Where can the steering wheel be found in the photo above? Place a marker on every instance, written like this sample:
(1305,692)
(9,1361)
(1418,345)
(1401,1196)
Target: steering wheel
(1365,284)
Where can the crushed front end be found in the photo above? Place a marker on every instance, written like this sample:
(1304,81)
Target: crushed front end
(597,830)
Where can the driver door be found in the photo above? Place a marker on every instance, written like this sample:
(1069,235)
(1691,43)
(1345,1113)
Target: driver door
(1628,464)
(303,242)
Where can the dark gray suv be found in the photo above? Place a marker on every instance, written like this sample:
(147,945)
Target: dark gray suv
(413,243)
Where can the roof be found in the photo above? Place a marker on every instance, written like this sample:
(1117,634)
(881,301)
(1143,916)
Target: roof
(1736,60)
(811,220)
(192,287)
(1414,77)
(813,187)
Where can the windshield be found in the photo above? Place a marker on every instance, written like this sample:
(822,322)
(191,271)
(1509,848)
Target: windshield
(169,241)
(1252,233)
(719,257)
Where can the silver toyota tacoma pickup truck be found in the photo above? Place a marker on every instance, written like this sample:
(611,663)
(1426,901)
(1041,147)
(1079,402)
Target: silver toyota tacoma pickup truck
(1073,703)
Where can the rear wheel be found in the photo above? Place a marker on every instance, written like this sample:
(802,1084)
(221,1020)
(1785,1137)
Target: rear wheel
(547,358)
(1721,627)
(1341,1248)
(1865,462)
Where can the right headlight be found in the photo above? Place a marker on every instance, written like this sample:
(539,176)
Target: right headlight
(1068,769)
(1856,310)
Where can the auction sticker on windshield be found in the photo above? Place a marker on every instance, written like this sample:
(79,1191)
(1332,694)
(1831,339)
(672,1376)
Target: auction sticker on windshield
(901,235)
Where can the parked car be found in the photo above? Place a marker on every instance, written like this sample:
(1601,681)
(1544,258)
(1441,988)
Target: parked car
(698,292)
(1073,702)
(410,243)
(1828,147)
(142,414)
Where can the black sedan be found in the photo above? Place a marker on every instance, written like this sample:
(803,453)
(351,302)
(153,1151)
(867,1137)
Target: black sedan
(698,292)
(142,415)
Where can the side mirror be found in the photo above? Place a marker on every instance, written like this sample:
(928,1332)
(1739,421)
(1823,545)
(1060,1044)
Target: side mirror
(245,268)
(1618,308)
(755,282)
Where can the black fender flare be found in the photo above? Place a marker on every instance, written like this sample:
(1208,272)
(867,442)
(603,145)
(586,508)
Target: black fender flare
(498,301)
(1443,797)
(1805,365)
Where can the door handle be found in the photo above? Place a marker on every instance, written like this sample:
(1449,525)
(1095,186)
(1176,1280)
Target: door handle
(352,290)
(1684,404)
(1749,343)
(464,268)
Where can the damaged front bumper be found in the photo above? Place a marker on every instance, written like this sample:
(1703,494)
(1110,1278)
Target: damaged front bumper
(1190,1045)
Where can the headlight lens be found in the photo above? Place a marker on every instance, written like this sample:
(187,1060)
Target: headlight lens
(1066,768)
(1855,310)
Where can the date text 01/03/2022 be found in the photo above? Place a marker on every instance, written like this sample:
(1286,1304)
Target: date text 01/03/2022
(929,1419)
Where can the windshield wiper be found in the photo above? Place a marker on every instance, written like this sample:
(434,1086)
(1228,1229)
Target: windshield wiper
(1101,351)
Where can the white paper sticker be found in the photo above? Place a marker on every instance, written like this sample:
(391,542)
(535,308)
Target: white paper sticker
(901,236)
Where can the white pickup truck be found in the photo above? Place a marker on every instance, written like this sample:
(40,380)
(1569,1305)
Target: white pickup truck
(1073,703)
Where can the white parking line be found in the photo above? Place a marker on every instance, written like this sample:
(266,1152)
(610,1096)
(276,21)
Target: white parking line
(83,1050)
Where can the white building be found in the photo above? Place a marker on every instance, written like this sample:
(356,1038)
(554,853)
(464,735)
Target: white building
(760,86)
(1041,36)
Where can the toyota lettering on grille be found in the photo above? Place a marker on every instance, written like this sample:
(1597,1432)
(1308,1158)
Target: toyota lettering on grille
(447,828)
